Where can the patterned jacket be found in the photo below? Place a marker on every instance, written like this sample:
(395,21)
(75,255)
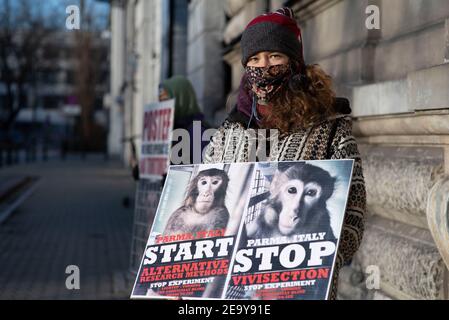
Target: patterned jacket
(328,139)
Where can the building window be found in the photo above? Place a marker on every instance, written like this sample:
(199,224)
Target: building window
(70,78)
(51,102)
(48,76)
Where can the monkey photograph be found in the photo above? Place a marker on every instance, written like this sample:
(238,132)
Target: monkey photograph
(197,202)
(296,203)
(202,198)
(204,206)
(293,202)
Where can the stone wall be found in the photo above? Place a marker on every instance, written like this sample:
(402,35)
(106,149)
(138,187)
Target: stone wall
(335,36)
(205,62)
(397,238)
(380,70)
(118,18)
(406,170)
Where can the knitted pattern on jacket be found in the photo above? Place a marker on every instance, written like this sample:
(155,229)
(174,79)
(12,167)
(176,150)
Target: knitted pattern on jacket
(328,139)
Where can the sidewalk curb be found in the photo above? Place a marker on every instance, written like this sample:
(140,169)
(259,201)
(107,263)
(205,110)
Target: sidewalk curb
(6,212)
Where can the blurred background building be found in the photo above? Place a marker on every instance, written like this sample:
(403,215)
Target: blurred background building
(61,199)
(52,80)
(396,78)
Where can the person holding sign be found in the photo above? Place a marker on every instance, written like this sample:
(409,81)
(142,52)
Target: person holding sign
(188,116)
(296,114)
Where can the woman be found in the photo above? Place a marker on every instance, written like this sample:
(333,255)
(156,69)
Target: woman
(279,91)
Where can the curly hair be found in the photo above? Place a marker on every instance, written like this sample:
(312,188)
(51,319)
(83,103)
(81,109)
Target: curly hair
(306,100)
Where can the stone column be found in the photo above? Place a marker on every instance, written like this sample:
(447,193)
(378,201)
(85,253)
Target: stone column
(118,18)
(147,38)
(205,62)
(438,216)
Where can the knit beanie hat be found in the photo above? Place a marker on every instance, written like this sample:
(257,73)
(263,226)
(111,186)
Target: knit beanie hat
(275,31)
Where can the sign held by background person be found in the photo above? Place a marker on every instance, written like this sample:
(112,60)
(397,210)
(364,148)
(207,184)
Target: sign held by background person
(157,131)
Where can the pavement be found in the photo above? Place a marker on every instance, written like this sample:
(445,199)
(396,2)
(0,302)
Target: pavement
(14,190)
(75,217)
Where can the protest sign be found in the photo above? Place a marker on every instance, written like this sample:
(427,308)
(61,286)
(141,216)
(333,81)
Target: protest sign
(266,230)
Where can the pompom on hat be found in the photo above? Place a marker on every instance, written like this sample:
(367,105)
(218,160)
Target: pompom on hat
(275,31)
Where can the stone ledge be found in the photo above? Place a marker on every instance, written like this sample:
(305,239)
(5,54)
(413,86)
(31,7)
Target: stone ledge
(402,101)
(399,179)
(403,216)
(409,141)
(424,128)
(380,98)
(428,88)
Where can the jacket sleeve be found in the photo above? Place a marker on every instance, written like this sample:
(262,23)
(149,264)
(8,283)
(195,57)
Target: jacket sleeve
(214,150)
(345,147)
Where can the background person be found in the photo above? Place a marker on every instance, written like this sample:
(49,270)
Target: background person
(279,91)
(186,110)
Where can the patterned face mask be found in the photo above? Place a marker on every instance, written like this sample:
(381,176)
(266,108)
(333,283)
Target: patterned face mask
(265,82)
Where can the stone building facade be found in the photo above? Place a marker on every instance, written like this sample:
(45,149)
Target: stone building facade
(205,66)
(397,79)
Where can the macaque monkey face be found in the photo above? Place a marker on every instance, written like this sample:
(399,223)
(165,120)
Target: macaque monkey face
(207,187)
(297,200)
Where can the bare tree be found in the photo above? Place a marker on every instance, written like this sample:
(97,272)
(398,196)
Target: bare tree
(24,27)
(88,55)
